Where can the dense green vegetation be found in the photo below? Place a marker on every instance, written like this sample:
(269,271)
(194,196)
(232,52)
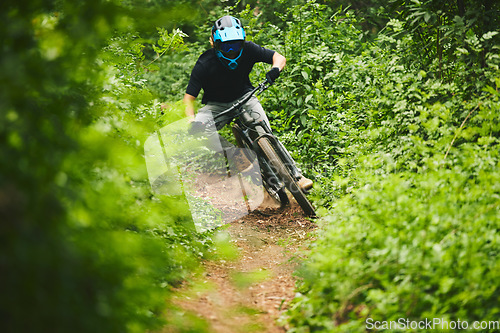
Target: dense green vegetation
(85,246)
(391,107)
(401,131)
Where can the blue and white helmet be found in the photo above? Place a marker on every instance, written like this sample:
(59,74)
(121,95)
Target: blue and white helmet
(229,37)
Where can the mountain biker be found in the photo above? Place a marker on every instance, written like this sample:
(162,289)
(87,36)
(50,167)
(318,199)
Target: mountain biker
(223,74)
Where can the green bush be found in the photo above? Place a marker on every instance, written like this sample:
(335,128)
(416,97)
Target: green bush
(406,168)
(85,245)
(405,246)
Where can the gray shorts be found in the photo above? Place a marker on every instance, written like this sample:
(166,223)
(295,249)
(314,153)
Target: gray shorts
(208,113)
(216,142)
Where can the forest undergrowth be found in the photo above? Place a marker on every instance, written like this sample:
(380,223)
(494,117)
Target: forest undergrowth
(392,109)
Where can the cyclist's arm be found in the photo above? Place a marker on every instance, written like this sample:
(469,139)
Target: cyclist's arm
(279,61)
(189,103)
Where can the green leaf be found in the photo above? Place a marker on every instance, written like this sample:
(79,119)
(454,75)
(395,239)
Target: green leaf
(305,75)
(489,35)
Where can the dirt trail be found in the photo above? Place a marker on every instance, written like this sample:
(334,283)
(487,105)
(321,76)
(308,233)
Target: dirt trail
(250,293)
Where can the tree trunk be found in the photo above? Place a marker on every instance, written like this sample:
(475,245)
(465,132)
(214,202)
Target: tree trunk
(461,8)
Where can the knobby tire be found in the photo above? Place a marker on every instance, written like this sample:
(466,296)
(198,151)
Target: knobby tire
(280,195)
(290,182)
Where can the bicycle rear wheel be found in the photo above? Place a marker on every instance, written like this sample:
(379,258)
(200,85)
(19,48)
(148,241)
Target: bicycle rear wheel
(290,182)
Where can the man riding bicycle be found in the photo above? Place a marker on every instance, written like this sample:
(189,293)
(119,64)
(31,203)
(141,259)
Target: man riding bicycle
(223,74)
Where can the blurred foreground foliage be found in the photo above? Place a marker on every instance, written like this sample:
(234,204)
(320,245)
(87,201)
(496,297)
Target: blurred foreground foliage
(85,245)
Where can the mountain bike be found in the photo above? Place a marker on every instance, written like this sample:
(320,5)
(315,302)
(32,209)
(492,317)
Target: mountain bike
(277,168)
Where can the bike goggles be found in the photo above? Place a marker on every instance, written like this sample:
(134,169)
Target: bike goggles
(231,48)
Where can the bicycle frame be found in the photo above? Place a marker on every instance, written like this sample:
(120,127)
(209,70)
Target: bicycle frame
(278,169)
(238,109)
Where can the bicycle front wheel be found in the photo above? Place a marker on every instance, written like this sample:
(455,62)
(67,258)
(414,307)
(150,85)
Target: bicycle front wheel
(290,182)
(276,191)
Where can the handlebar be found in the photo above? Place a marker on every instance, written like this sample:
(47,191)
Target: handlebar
(257,90)
(197,127)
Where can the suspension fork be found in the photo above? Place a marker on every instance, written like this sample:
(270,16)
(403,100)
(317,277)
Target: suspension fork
(280,149)
(267,172)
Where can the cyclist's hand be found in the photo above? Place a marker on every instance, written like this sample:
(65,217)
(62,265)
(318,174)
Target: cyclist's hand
(272,75)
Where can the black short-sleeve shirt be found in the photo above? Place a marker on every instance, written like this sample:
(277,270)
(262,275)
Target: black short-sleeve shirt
(221,84)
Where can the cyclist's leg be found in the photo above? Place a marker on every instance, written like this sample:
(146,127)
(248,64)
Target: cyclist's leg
(205,115)
(238,161)
(255,112)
